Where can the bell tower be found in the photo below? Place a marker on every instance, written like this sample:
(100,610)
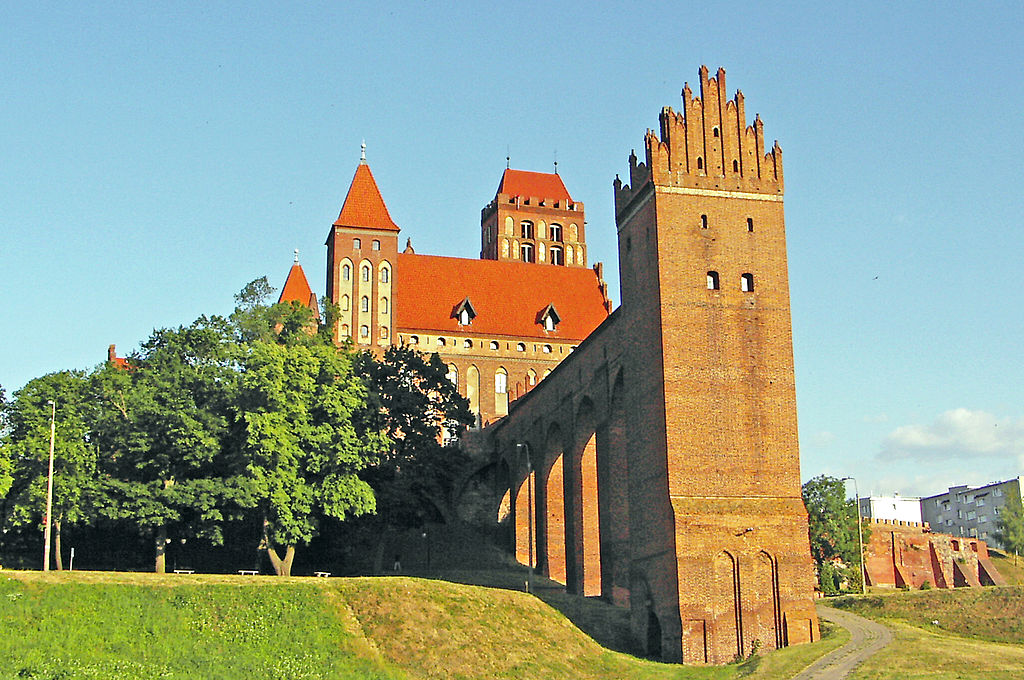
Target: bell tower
(533,219)
(362,249)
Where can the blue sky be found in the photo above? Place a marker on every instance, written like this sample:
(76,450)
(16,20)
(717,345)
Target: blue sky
(156,158)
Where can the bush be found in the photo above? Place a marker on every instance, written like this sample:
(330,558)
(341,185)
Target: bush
(927,585)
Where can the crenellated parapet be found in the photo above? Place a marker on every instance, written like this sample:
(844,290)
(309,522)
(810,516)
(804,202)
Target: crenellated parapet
(708,145)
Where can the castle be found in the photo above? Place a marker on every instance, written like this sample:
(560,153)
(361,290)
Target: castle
(647,454)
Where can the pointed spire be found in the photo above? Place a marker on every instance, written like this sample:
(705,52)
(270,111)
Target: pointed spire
(296,260)
(296,288)
(364,206)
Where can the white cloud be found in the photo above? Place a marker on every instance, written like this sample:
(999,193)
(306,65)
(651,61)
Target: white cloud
(960,433)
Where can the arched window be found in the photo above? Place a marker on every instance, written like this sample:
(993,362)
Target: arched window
(383,305)
(568,255)
(441,342)
(494,344)
(453,375)
(366,273)
(385,275)
(712,280)
(364,331)
(383,332)
(531,377)
(357,243)
(346,272)
(703,221)
(414,339)
(464,317)
(555,255)
(364,304)
(344,330)
(526,252)
(467,343)
(556,232)
(714,131)
(750,224)
(501,381)
(747,283)
(526,229)
(549,323)
(375,245)
(735,166)
(344,303)
(520,347)
(700,163)
(547,349)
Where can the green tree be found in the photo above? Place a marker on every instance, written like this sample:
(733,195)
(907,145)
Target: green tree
(1010,526)
(414,401)
(832,529)
(163,431)
(301,443)
(6,463)
(75,487)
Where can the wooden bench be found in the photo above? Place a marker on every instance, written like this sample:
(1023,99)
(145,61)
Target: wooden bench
(321,574)
(184,571)
(249,572)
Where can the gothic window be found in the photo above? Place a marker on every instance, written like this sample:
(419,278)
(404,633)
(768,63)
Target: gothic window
(441,342)
(750,224)
(464,317)
(555,231)
(364,304)
(346,272)
(526,229)
(501,381)
(549,318)
(344,303)
(520,347)
(547,349)
(700,163)
(366,273)
(555,255)
(467,343)
(712,280)
(526,252)
(383,332)
(735,166)
(568,254)
(714,131)
(344,330)
(364,331)
(531,377)
(383,305)
(703,221)
(747,283)
(494,344)
(385,275)
(375,245)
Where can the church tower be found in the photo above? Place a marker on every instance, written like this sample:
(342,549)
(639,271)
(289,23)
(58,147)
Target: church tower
(362,248)
(705,294)
(533,219)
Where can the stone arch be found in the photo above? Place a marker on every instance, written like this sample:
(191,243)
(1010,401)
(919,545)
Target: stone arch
(551,497)
(584,530)
(613,498)
(761,625)
(501,391)
(726,626)
(525,508)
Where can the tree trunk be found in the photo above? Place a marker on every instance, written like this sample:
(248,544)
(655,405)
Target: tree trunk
(56,543)
(378,560)
(161,550)
(282,567)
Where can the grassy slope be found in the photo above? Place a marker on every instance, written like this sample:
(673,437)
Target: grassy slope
(1011,568)
(130,626)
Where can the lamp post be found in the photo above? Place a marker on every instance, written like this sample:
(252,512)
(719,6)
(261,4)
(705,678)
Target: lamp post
(860,538)
(49,488)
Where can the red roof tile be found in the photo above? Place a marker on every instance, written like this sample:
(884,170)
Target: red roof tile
(533,185)
(507,297)
(364,206)
(296,289)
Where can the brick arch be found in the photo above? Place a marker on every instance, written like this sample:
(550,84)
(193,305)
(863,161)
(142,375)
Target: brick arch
(726,625)
(583,528)
(760,594)
(524,504)
(613,497)
(551,506)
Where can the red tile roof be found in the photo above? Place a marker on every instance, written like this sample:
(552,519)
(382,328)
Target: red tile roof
(364,206)
(508,297)
(533,185)
(296,289)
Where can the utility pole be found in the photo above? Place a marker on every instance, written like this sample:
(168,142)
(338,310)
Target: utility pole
(49,488)
(860,539)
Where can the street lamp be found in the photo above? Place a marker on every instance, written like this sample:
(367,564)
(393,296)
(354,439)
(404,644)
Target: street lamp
(860,539)
(49,488)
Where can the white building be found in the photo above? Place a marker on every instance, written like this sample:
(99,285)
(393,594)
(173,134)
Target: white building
(894,508)
(969,510)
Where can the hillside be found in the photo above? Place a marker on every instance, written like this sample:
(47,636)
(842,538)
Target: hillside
(103,625)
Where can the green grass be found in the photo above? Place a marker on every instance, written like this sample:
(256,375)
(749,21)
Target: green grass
(1011,568)
(127,626)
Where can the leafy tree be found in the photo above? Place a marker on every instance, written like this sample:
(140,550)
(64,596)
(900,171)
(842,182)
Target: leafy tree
(6,464)
(75,488)
(423,413)
(302,446)
(1010,526)
(163,430)
(832,529)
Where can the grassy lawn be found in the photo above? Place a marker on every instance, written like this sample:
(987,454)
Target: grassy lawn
(1011,568)
(127,626)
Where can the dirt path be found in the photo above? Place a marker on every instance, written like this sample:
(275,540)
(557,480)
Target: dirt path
(866,638)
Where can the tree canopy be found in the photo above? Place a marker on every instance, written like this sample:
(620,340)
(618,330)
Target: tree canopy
(832,527)
(1010,525)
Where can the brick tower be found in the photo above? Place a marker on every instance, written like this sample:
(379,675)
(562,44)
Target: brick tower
(362,248)
(705,298)
(533,219)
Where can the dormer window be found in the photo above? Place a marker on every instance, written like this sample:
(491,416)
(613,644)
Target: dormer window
(549,318)
(464,312)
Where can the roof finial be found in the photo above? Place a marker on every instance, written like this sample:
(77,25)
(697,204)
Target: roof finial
(296,260)
(556,161)
(362,152)
(508,156)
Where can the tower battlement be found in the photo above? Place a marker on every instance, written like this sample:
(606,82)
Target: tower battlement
(707,145)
